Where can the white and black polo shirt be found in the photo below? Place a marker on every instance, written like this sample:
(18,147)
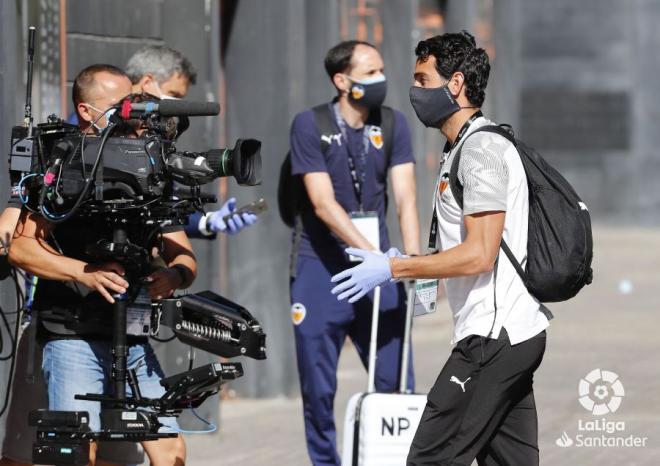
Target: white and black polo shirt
(493,179)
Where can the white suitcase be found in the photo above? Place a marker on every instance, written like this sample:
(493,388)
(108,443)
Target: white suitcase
(379,427)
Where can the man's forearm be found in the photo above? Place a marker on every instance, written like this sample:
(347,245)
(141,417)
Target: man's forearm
(8,221)
(404,187)
(179,255)
(409,222)
(338,221)
(38,258)
(462,260)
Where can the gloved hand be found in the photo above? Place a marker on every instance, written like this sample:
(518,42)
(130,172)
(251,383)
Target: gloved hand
(393,252)
(371,272)
(234,224)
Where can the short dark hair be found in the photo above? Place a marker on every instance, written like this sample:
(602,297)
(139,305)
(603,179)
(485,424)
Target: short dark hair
(338,58)
(85,80)
(458,52)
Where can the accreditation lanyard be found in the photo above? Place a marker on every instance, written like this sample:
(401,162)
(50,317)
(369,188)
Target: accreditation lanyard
(357,178)
(433,234)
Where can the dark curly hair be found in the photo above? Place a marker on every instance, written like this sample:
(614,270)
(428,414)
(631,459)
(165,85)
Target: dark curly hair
(458,52)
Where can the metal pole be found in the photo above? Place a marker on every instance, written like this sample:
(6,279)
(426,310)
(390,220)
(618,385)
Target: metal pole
(405,352)
(119,344)
(373,346)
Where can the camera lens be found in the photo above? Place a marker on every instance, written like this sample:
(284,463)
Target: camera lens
(243,162)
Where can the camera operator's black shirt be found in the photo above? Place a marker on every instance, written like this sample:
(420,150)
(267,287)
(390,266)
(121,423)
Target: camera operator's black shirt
(70,309)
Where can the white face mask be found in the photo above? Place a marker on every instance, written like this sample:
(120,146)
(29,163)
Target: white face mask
(108,113)
(165,96)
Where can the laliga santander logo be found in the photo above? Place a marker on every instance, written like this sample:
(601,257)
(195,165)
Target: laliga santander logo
(601,392)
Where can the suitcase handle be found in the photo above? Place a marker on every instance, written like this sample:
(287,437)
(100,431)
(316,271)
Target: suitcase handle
(405,351)
(371,386)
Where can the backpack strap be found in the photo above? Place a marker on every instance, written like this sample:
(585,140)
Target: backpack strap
(387,127)
(454,184)
(325,123)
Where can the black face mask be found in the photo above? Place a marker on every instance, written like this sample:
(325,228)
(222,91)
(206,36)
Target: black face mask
(369,93)
(433,105)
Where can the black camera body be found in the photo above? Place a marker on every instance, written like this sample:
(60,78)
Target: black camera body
(56,170)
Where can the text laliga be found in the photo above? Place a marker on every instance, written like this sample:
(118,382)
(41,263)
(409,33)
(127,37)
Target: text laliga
(602,425)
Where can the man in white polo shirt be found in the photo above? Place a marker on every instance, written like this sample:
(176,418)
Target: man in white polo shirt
(482,403)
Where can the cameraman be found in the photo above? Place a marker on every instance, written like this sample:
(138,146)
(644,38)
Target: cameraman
(75,359)
(97,86)
(168,74)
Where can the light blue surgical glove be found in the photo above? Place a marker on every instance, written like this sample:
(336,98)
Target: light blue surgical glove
(234,223)
(393,252)
(359,280)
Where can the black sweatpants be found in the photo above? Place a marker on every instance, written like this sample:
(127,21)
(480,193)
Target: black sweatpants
(482,406)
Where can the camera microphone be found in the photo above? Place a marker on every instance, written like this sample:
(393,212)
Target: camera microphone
(167,108)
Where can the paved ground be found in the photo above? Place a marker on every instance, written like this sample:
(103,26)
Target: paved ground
(613,324)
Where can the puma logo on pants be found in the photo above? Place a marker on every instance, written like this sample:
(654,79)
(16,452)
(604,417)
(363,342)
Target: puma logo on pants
(458,382)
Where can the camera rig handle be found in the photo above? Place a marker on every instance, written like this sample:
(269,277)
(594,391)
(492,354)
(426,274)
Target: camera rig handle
(214,324)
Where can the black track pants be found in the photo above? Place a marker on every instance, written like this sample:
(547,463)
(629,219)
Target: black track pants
(482,406)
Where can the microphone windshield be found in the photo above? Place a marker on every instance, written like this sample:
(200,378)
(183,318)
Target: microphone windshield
(171,107)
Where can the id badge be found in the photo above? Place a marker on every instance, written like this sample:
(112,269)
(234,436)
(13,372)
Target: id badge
(138,314)
(367,224)
(426,295)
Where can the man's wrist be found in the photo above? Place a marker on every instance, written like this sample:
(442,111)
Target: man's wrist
(182,272)
(395,263)
(202,226)
(78,272)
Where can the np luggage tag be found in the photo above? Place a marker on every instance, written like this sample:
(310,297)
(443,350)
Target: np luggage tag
(367,224)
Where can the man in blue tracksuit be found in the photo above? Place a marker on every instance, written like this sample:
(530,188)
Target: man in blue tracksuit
(345,177)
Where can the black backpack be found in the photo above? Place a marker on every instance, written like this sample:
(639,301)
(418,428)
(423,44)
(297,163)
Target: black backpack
(291,194)
(559,242)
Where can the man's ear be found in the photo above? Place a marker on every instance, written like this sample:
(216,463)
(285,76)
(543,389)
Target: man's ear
(341,82)
(147,81)
(84,113)
(456,83)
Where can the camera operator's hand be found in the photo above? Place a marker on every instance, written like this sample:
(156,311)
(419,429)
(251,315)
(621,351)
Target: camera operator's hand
(163,283)
(236,222)
(105,278)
